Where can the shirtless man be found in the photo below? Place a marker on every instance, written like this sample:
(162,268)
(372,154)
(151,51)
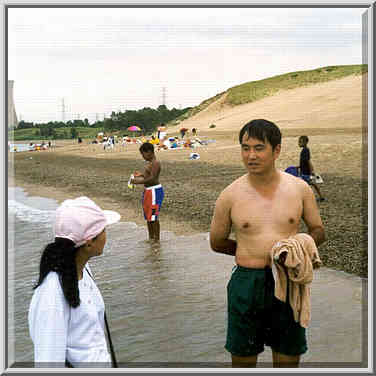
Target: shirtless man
(153,193)
(263,206)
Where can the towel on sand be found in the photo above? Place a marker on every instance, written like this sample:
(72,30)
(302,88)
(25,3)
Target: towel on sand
(301,258)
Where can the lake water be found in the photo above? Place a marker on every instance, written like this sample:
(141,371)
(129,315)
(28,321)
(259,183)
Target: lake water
(166,305)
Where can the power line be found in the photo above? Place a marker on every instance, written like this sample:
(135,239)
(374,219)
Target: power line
(63,110)
(164,96)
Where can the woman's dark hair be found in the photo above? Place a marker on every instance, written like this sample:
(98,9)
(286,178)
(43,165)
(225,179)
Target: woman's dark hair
(60,257)
(262,130)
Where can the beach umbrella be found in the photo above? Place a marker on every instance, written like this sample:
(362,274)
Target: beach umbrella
(133,128)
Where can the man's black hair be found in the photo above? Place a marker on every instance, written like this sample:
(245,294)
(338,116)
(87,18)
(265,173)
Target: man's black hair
(262,130)
(304,139)
(146,147)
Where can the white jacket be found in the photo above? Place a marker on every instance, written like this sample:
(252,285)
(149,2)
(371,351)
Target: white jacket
(60,332)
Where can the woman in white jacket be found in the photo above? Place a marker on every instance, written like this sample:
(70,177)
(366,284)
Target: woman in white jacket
(66,314)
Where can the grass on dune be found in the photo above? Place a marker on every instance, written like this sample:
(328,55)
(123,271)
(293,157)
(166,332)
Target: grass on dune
(255,90)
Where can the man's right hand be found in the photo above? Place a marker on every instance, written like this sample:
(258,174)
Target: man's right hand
(282,258)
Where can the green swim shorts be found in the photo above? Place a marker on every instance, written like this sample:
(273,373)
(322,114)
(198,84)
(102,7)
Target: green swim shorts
(257,318)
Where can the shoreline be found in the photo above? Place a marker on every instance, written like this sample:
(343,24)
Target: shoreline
(127,214)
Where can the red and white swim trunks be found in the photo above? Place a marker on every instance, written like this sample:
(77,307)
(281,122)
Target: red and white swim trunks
(152,198)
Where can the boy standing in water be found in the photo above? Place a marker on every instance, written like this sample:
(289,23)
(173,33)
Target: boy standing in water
(305,165)
(153,194)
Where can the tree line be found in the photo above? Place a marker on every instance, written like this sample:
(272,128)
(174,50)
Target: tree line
(148,119)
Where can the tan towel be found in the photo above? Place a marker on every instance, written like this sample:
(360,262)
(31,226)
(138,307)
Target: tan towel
(302,257)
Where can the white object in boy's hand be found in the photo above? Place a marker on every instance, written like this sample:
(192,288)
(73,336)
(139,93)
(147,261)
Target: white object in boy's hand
(130,184)
(316,179)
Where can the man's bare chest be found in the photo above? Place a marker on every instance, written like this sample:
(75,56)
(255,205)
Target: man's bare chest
(259,215)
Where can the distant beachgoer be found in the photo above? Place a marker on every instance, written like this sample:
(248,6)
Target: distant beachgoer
(305,168)
(194,131)
(154,141)
(263,207)
(66,313)
(153,193)
(183,131)
(109,143)
(159,136)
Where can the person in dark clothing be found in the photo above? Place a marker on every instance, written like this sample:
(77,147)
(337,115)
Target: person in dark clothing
(305,167)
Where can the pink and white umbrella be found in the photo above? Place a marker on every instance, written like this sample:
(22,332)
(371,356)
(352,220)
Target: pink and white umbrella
(133,128)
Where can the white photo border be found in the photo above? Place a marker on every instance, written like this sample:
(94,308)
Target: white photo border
(368,57)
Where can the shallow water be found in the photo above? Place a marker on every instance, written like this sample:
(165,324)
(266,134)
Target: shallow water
(164,303)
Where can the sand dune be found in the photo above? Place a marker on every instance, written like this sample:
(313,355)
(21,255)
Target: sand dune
(333,104)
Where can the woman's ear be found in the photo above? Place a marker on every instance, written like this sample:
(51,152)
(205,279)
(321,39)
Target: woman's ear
(88,244)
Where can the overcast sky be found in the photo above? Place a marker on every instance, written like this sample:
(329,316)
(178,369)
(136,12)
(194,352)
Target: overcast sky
(104,59)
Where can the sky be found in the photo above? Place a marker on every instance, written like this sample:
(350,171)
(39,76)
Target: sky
(77,63)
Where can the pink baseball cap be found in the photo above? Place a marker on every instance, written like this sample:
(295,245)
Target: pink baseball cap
(82,219)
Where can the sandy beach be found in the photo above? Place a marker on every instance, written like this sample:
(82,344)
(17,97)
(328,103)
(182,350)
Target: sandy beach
(338,149)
